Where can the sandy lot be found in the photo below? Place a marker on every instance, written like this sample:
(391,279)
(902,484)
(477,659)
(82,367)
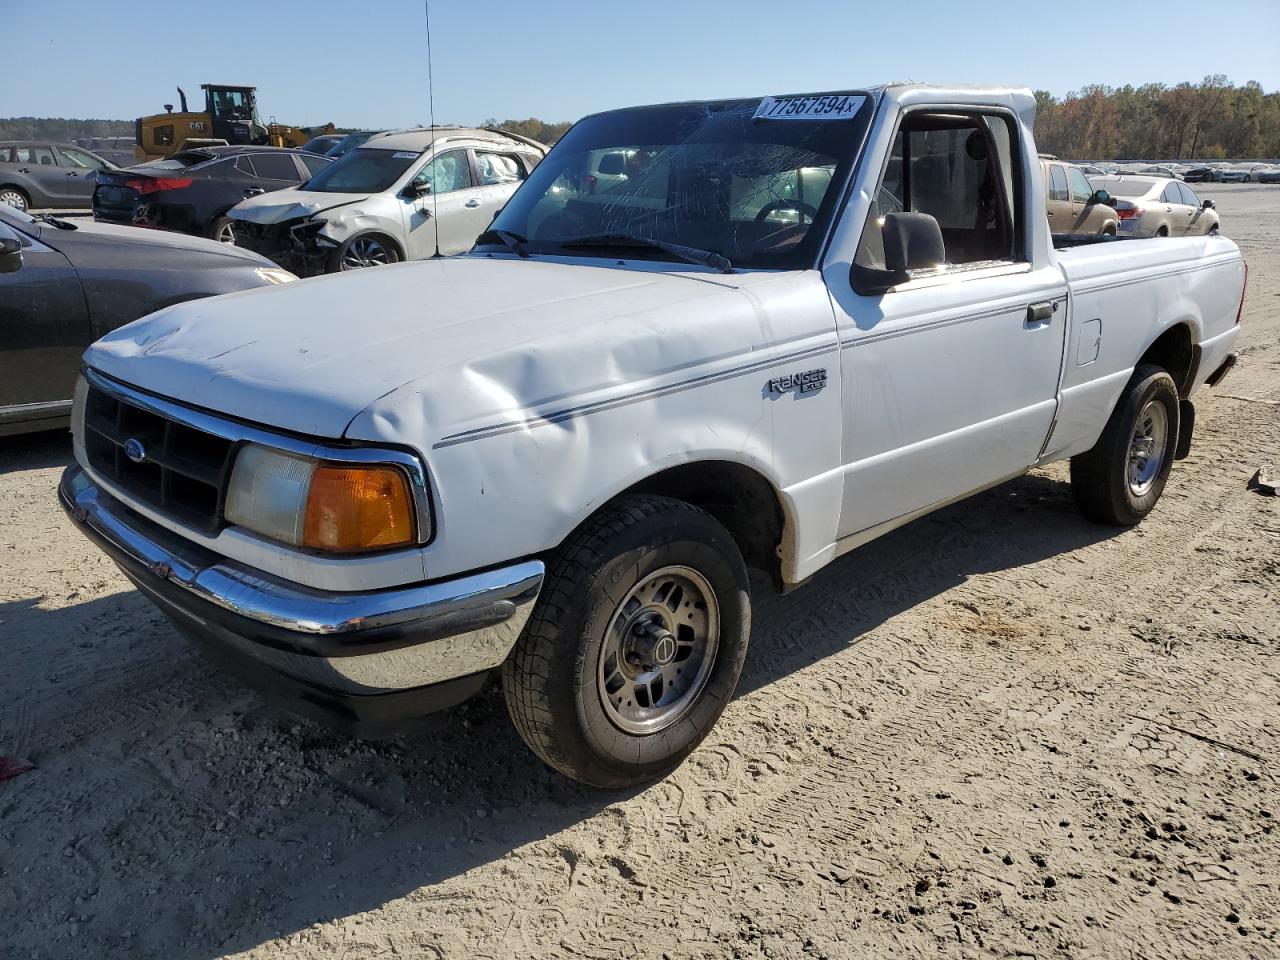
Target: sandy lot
(1001,731)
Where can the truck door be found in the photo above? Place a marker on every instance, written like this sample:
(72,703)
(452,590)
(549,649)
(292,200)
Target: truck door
(444,219)
(950,379)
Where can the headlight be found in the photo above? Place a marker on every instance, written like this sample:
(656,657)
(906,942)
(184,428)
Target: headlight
(323,505)
(275,274)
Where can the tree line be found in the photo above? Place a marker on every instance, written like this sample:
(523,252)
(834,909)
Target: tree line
(1210,120)
(61,129)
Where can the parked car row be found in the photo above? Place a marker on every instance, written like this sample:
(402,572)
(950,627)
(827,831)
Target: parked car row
(1206,171)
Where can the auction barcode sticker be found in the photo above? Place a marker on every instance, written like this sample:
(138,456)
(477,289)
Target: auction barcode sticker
(823,106)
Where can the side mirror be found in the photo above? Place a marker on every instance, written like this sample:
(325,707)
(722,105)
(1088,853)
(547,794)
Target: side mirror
(1208,205)
(420,188)
(912,241)
(10,254)
(1102,197)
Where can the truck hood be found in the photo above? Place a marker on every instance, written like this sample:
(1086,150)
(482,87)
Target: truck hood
(435,345)
(280,206)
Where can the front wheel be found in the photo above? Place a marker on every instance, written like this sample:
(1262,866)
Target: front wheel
(636,643)
(366,250)
(1119,481)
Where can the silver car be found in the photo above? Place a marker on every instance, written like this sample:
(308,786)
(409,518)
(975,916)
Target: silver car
(1158,207)
(406,195)
(1242,172)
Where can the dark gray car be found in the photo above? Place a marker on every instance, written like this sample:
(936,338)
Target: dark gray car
(63,285)
(37,173)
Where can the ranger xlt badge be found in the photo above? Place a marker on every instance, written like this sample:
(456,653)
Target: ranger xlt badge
(806,382)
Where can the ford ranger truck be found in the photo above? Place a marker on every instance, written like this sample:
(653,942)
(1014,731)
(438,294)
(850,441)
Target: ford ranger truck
(782,327)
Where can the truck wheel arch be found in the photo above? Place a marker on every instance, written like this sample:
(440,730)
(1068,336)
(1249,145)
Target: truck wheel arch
(741,498)
(1177,352)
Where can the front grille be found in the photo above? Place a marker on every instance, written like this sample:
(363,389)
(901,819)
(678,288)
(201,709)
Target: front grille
(175,468)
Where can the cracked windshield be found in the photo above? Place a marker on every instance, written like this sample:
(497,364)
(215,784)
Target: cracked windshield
(709,183)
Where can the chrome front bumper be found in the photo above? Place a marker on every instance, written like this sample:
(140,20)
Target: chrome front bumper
(345,645)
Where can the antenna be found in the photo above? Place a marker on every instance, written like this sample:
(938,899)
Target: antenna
(431,106)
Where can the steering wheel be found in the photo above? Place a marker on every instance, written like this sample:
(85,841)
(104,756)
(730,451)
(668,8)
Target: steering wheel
(802,208)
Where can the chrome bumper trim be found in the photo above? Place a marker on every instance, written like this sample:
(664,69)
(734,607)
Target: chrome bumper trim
(353,642)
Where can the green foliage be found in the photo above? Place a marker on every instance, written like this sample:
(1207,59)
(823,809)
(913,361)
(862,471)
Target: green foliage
(539,130)
(1207,120)
(61,130)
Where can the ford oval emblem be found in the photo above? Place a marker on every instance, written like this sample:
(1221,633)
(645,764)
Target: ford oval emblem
(134,450)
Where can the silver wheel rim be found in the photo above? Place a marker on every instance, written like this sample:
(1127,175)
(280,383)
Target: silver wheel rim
(13,199)
(658,650)
(1147,447)
(365,252)
(225,234)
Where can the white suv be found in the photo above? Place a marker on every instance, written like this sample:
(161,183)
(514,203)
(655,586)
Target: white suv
(406,195)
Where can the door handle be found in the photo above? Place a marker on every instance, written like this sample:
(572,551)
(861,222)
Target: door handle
(23,170)
(1040,312)
(472,203)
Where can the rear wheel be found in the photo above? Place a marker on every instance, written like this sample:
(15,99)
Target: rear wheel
(636,644)
(14,197)
(1119,481)
(223,230)
(366,250)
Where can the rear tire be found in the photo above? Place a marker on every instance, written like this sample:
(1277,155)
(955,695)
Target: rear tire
(223,230)
(636,643)
(15,197)
(1119,481)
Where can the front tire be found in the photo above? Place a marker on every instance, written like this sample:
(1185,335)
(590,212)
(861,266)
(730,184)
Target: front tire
(1119,481)
(636,643)
(365,250)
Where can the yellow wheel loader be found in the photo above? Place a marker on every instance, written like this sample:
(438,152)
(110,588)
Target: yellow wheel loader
(230,116)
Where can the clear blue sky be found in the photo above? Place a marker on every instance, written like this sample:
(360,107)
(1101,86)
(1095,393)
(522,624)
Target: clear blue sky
(364,62)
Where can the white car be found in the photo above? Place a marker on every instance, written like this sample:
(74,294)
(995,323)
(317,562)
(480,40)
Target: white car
(554,458)
(405,195)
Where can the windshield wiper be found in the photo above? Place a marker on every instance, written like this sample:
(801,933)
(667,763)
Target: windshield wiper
(704,258)
(512,240)
(56,221)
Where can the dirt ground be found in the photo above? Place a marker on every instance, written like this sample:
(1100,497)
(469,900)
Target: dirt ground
(1000,731)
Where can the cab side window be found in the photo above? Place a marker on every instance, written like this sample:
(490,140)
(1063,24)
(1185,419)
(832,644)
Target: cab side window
(961,169)
(1171,194)
(447,172)
(1188,195)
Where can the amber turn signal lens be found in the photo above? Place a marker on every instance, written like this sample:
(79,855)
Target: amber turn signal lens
(357,508)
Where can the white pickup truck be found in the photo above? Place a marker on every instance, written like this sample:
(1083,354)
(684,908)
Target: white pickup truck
(781,328)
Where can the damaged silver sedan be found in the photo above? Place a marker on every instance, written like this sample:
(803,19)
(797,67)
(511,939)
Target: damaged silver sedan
(406,195)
